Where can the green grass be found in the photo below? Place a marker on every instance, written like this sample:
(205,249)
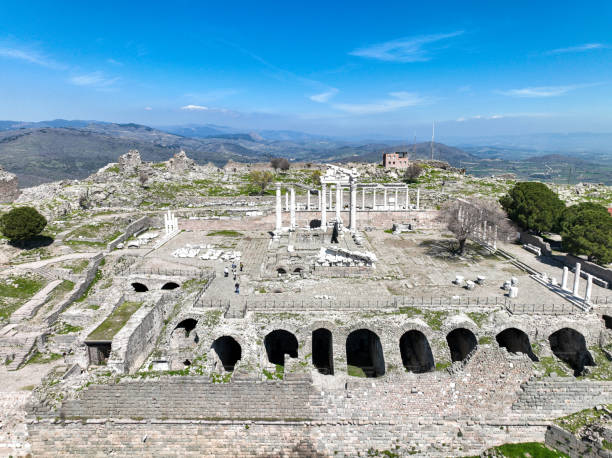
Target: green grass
(485,340)
(65,328)
(526,450)
(603,368)
(41,358)
(77,267)
(478,317)
(21,287)
(443,365)
(113,169)
(278,374)
(574,422)
(96,279)
(113,324)
(550,365)
(225,233)
(355,371)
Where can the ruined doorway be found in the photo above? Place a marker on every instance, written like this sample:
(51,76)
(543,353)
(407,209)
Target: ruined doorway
(607,321)
(170,285)
(416,352)
(280,343)
(228,350)
(515,341)
(184,334)
(364,352)
(461,343)
(281,271)
(322,351)
(139,287)
(569,346)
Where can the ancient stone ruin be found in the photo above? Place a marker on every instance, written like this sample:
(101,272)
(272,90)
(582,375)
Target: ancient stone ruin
(9,186)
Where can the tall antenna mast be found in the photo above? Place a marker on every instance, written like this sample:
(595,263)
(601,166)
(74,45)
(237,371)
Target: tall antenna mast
(433,131)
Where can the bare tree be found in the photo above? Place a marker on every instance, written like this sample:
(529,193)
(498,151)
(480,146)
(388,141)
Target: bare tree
(469,219)
(280,163)
(413,171)
(261,179)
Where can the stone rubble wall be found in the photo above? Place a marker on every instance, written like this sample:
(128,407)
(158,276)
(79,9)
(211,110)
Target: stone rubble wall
(9,186)
(566,442)
(131,229)
(534,240)
(560,396)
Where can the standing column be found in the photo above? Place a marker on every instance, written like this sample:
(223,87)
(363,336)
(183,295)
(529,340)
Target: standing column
(330,198)
(374,199)
(396,203)
(341,198)
(418,203)
(564,278)
(363,198)
(353,205)
(407,199)
(495,237)
(319,199)
(292,209)
(286,201)
(589,288)
(323,206)
(279,208)
(308,200)
(576,279)
(338,197)
(385,199)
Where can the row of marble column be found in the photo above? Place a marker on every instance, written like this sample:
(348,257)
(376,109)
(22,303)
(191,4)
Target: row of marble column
(323,206)
(576,286)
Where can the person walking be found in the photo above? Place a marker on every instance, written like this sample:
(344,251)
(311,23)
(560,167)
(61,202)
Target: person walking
(226,272)
(241,267)
(237,286)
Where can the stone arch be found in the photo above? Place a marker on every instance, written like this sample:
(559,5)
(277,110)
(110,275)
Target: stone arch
(322,351)
(461,342)
(228,350)
(280,270)
(416,352)
(184,334)
(570,346)
(515,341)
(364,351)
(298,270)
(279,343)
(607,321)
(139,287)
(170,285)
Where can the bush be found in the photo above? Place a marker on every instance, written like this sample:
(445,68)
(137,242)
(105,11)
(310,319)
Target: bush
(413,171)
(22,223)
(280,163)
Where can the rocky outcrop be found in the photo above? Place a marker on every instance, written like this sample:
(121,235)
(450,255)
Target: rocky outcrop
(9,186)
(180,163)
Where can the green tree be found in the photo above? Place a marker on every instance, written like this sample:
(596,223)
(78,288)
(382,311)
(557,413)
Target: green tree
(586,229)
(22,223)
(261,179)
(533,206)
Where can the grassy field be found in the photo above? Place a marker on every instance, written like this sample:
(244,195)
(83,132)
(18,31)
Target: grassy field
(113,324)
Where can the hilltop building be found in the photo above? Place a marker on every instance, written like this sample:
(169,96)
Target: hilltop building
(398,160)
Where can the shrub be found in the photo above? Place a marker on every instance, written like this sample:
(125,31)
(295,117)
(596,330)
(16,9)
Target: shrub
(22,223)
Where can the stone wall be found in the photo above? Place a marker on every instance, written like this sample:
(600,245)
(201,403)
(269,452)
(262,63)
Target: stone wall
(9,186)
(131,229)
(589,267)
(534,240)
(566,442)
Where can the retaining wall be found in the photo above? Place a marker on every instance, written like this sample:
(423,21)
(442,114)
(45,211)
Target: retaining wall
(566,442)
(131,229)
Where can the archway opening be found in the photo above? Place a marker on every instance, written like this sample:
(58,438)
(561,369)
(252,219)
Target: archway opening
(139,287)
(608,321)
(365,354)
(280,343)
(186,363)
(297,270)
(170,285)
(569,345)
(461,342)
(184,335)
(416,352)
(314,223)
(322,351)
(515,341)
(228,351)
(281,271)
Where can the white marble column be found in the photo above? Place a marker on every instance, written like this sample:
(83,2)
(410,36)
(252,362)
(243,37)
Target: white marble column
(374,199)
(292,210)
(418,202)
(385,199)
(407,199)
(396,203)
(319,199)
(308,200)
(495,237)
(576,279)
(331,200)
(323,206)
(286,201)
(564,278)
(338,198)
(363,198)
(589,288)
(353,205)
(341,198)
(279,208)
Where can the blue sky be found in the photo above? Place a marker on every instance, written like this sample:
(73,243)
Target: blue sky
(335,68)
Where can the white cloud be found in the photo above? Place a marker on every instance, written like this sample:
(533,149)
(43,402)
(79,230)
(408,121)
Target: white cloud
(502,116)
(396,101)
(148,108)
(413,49)
(194,108)
(31,57)
(542,91)
(579,48)
(324,96)
(95,79)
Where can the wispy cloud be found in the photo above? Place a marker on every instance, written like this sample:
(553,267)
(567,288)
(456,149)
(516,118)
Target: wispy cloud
(502,116)
(396,101)
(413,49)
(32,57)
(148,108)
(114,62)
(324,96)
(96,80)
(580,48)
(543,91)
(194,108)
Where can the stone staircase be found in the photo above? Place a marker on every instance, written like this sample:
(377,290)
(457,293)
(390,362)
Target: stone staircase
(29,309)
(15,346)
